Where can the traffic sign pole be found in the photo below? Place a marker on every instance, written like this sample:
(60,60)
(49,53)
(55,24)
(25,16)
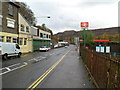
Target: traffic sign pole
(84,37)
(84,25)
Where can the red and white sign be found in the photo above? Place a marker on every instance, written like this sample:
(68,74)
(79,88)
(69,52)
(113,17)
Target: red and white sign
(81,40)
(84,24)
(101,40)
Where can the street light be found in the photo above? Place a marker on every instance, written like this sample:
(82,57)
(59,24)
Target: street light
(44,17)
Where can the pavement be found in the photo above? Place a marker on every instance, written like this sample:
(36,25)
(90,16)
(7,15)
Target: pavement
(57,68)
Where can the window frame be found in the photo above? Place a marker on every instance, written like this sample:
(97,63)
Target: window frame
(10,23)
(8,39)
(2,38)
(1,19)
(13,40)
(22,27)
(20,41)
(41,35)
(10,9)
(25,41)
(27,29)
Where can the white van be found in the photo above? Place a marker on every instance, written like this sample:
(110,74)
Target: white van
(9,49)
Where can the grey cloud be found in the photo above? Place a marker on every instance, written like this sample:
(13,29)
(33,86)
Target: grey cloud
(59,20)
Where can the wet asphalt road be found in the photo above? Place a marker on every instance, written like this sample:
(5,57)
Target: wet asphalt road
(68,73)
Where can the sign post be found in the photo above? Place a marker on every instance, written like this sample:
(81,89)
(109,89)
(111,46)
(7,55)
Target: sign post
(84,25)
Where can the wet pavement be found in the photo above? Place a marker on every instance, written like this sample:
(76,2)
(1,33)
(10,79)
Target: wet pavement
(57,68)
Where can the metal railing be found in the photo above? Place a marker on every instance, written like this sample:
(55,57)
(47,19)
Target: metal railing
(105,69)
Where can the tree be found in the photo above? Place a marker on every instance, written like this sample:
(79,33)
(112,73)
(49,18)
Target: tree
(27,13)
(44,27)
(89,35)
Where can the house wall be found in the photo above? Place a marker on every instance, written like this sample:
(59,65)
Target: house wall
(7,16)
(23,34)
(39,41)
(6,31)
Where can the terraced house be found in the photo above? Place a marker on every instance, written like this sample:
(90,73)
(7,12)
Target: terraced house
(16,28)
(24,35)
(9,22)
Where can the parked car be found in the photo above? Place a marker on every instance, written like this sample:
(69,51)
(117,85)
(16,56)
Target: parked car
(44,48)
(66,46)
(9,49)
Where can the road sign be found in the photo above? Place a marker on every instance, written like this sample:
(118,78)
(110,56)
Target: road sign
(101,40)
(84,24)
(107,49)
(81,40)
(102,49)
(97,48)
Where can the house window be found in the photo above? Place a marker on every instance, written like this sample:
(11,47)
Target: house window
(44,36)
(8,39)
(37,32)
(10,9)
(1,38)
(0,20)
(41,35)
(27,29)
(25,41)
(20,41)
(15,40)
(47,35)
(22,27)
(11,23)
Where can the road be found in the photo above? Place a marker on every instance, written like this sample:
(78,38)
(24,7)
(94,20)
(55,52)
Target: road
(57,68)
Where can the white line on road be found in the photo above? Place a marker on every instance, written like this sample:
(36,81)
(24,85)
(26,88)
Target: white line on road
(24,64)
(9,70)
(14,65)
(19,67)
(10,66)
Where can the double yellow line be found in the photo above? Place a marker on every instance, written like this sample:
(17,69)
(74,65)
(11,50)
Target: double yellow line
(41,78)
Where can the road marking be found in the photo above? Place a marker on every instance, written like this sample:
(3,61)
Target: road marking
(14,65)
(36,59)
(9,66)
(19,67)
(41,78)
(9,70)
(51,54)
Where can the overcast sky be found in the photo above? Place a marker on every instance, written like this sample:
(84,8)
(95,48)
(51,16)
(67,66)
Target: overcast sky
(67,14)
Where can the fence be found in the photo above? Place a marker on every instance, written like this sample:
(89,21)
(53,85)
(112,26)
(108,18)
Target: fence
(105,69)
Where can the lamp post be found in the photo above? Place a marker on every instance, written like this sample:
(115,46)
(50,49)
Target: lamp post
(43,25)
(44,17)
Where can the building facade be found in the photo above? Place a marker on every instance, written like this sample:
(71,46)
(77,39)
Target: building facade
(1,17)
(40,38)
(24,35)
(9,22)
(14,28)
